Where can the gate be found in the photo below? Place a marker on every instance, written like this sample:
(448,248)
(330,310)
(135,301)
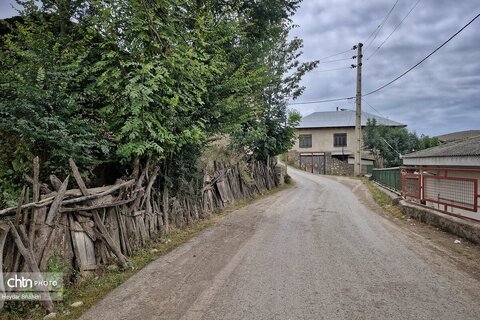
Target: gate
(306,162)
(314,163)
(318,164)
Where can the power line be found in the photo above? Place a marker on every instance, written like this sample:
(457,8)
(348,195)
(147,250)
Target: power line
(380,114)
(328,61)
(421,61)
(395,29)
(336,54)
(380,26)
(328,70)
(321,101)
(397,78)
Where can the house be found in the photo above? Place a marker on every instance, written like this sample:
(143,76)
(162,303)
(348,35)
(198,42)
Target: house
(326,142)
(460,135)
(445,177)
(459,153)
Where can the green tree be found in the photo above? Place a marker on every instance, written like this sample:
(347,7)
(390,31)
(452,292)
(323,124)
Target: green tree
(269,132)
(44,107)
(387,144)
(113,81)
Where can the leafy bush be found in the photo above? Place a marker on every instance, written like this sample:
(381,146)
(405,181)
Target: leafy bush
(288,179)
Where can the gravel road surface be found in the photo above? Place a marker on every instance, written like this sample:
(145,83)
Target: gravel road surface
(317,250)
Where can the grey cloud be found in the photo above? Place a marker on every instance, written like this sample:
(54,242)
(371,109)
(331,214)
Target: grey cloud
(441,95)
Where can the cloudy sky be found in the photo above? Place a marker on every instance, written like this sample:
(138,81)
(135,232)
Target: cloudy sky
(441,95)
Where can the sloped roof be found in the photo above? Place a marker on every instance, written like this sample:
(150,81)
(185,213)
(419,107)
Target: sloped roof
(335,119)
(467,147)
(460,135)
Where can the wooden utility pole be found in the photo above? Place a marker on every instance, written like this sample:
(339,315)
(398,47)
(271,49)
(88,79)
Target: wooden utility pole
(286,153)
(358,119)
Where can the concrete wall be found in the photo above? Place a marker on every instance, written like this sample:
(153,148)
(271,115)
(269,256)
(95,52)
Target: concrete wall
(465,229)
(322,140)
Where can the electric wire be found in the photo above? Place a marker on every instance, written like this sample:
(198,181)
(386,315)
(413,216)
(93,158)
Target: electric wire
(321,101)
(336,54)
(397,78)
(421,61)
(328,70)
(378,112)
(380,26)
(395,29)
(328,61)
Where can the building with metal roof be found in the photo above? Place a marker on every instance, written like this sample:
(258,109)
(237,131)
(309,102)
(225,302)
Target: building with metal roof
(457,153)
(342,118)
(326,142)
(460,135)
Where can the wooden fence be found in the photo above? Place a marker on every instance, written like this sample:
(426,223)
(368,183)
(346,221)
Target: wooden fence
(92,227)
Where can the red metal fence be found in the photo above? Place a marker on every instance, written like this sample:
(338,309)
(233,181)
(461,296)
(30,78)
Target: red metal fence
(452,191)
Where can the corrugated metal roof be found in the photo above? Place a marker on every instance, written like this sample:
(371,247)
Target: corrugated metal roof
(467,147)
(335,119)
(460,135)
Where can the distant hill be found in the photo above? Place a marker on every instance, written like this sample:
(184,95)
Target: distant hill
(460,135)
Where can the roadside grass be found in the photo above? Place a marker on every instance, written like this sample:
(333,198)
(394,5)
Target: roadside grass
(92,289)
(455,248)
(384,201)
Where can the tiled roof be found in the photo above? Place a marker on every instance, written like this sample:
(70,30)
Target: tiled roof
(335,119)
(467,147)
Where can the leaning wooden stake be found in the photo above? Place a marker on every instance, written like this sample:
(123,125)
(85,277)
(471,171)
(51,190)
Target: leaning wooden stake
(4,227)
(36,198)
(102,230)
(48,231)
(31,262)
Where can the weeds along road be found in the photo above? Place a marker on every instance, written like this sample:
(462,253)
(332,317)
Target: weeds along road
(315,251)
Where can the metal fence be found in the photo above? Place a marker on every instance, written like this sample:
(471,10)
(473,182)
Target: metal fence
(389,177)
(452,191)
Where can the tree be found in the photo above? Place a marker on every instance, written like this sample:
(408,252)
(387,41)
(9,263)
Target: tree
(126,80)
(269,132)
(44,107)
(387,144)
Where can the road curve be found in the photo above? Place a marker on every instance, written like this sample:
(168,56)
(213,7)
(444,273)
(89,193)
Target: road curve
(314,251)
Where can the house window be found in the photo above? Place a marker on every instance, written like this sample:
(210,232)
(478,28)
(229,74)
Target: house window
(305,141)
(339,139)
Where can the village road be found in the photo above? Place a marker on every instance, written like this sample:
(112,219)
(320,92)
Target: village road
(318,250)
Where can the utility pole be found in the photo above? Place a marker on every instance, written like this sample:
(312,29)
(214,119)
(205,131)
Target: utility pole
(286,153)
(358,112)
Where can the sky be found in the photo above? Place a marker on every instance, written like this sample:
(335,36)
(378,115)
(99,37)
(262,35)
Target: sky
(441,95)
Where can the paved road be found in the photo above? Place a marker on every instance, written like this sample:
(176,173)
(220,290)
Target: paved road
(315,251)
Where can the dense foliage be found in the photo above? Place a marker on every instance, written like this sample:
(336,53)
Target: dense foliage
(108,82)
(387,144)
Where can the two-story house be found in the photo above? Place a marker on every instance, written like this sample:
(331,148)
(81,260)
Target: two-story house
(326,142)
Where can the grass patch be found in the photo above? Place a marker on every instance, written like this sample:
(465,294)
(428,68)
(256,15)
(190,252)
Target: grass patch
(455,248)
(384,201)
(94,288)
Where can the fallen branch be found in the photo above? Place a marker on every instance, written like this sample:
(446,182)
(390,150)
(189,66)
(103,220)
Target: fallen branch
(97,206)
(48,201)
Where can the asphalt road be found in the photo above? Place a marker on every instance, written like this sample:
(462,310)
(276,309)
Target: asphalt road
(315,251)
